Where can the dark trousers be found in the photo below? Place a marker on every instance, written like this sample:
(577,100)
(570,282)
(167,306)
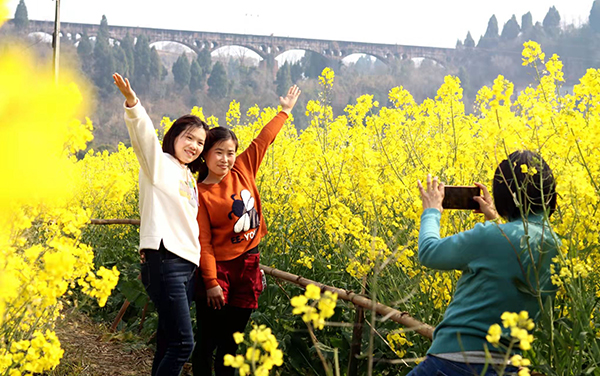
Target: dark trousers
(441,367)
(169,281)
(215,331)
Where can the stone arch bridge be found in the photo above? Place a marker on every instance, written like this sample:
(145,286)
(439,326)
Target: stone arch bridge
(267,47)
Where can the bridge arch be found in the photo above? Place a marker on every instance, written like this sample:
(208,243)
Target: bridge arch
(40,37)
(239,52)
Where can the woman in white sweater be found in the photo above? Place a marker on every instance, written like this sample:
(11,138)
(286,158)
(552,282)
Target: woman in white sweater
(169,232)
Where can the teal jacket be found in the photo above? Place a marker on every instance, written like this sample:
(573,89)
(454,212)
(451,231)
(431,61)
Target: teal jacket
(497,270)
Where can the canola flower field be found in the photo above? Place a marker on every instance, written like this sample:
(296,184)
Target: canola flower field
(342,207)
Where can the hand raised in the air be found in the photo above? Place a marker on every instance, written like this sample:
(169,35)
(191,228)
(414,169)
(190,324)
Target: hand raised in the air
(125,89)
(288,102)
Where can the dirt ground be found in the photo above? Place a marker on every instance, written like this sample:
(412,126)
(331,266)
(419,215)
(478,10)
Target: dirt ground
(91,350)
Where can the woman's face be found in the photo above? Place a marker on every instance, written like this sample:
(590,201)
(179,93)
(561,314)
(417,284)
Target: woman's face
(189,145)
(220,158)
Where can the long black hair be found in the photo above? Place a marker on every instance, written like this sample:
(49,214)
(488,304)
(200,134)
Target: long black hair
(184,124)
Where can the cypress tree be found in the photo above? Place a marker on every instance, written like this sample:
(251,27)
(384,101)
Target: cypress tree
(552,22)
(511,29)
(21,17)
(595,16)
(85,50)
(469,42)
(284,79)
(196,76)
(104,65)
(526,22)
(217,81)
(129,50)
(181,71)
(156,66)
(205,61)
(142,62)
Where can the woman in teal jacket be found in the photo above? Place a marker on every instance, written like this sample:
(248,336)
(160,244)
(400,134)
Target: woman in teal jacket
(497,261)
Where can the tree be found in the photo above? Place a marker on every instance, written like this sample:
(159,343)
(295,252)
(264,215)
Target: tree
(552,22)
(217,81)
(595,16)
(84,47)
(120,59)
(511,29)
(181,71)
(526,22)
(284,79)
(156,66)
(205,61)
(196,77)
(459,44)
(490,39)
(469,42)
(142,62)
(313,64)
(104,65)
(492,28)
(296,72)
(127,44)
(85,50)
(103,30)
(21,18)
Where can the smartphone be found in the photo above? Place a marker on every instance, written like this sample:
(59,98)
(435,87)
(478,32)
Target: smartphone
(460,197)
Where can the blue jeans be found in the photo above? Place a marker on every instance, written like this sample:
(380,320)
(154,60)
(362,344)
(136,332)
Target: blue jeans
(169,281)
(441,367)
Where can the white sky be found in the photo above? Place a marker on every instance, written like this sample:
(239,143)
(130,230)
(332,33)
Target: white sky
(437,23)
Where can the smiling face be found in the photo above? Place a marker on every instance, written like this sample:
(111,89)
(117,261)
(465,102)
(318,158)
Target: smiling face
(189,145)
(220,158)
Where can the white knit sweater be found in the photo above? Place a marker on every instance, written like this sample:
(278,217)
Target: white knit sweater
(168,193)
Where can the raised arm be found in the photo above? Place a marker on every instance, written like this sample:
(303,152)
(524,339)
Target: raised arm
(141,131)
(252,157)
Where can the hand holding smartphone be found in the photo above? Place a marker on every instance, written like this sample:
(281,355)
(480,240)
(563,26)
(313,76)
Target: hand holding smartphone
(460,197)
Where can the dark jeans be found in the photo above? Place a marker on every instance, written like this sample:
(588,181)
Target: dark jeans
(169,281)
(441,367)
(215,331)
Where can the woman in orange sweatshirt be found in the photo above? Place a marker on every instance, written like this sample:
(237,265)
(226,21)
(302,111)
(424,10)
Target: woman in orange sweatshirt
(231,227)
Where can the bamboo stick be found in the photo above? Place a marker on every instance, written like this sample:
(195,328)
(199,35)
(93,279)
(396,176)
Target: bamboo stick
(393,314)
(115,221)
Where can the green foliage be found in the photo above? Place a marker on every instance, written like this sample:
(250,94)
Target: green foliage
(104,64)
(552,22)
(469,42)
(511,29)
(84,48)
(284,79)
(492,28)
(156,67)
(595,16)
(526,22)
(142,62)
(181,71)
(21,18)
(218,84)
(490,38)
(128,48)
(204,60)
(196,76)
(313,64)
(296,72)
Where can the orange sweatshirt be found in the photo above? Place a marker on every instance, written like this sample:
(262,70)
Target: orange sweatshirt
(229,213)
